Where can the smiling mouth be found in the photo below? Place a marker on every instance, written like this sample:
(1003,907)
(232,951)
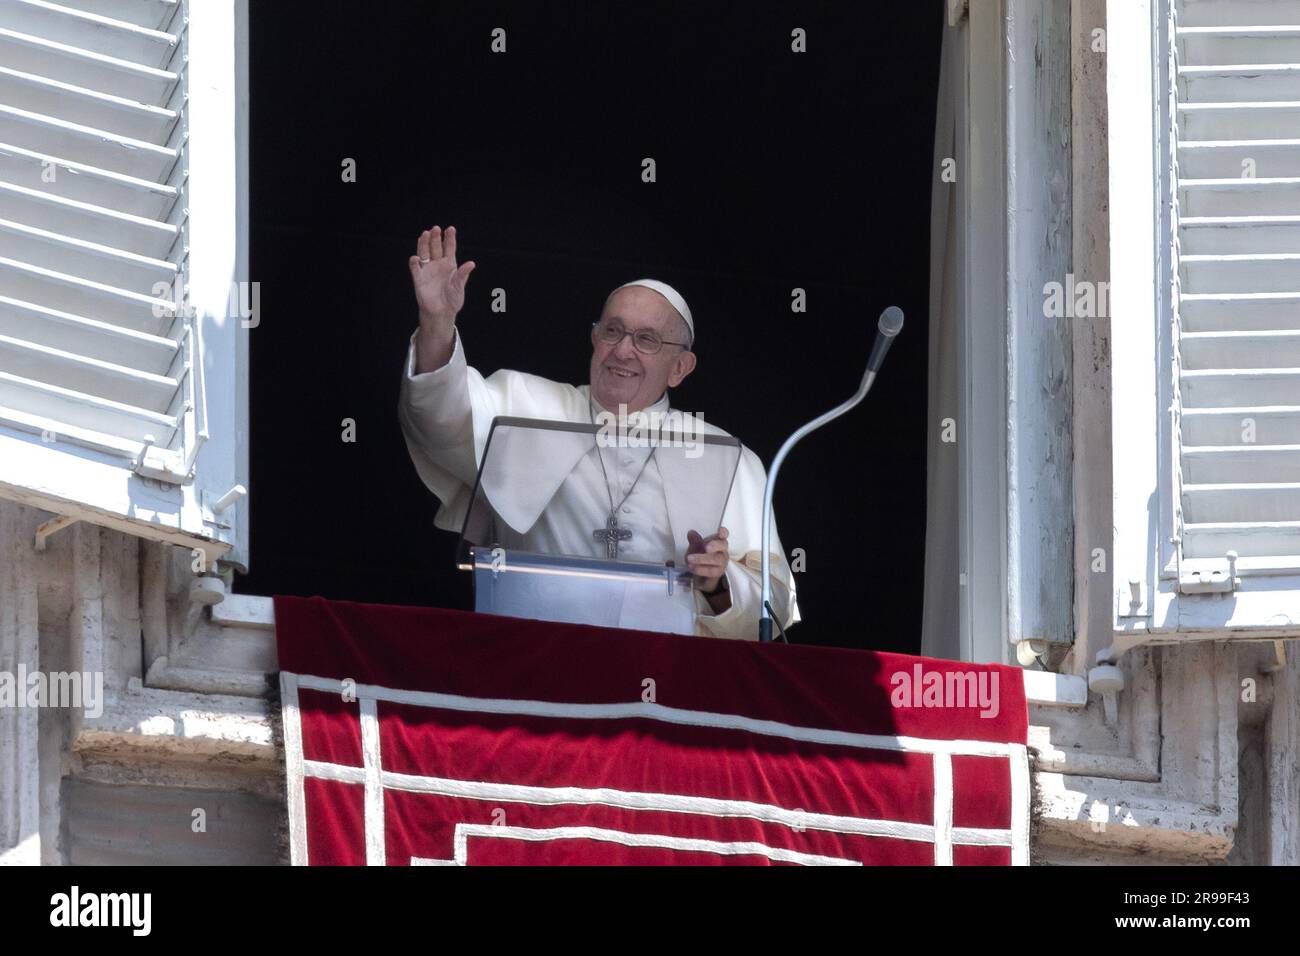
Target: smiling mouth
(620,372)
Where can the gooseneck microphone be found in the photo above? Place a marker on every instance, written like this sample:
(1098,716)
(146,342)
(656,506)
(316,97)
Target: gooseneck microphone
(891,323)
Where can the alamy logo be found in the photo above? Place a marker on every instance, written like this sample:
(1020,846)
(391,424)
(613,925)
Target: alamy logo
(53,689)
(103,909)
(671,429)
(946,689)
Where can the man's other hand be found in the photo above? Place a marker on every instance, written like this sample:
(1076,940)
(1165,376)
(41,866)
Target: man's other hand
(707,558)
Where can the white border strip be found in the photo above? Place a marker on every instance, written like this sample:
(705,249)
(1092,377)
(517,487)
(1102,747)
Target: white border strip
(1020,796)
(690,844)
(294,769)
(943,810)
(666,802)
(660,712)
(372,770)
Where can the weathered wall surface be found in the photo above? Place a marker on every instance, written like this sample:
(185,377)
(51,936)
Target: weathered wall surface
(124,824)
(180,765)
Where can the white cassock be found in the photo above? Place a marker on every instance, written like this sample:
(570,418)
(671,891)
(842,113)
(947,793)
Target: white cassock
(446,415)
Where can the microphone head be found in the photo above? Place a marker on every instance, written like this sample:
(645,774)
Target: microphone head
(891,321)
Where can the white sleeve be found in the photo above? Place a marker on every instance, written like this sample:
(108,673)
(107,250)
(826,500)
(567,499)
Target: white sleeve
(436,416)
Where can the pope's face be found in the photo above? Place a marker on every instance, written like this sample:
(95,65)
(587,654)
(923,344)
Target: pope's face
(622,375)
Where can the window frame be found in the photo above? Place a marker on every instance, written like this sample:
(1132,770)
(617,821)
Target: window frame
(1015,488)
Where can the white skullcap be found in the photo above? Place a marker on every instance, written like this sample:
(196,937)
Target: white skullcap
(669,293)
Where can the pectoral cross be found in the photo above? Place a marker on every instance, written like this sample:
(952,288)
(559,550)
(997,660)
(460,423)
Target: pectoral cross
(612,534)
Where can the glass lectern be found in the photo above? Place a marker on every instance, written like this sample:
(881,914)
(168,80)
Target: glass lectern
(548,534)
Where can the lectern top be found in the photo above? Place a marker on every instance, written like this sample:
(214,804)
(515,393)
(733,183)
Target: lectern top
(627,492)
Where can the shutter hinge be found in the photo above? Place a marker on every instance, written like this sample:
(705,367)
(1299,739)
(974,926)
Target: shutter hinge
(213,508)
(1217,580)
(161,466)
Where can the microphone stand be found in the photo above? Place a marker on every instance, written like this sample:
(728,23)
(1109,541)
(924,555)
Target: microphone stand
(891,323)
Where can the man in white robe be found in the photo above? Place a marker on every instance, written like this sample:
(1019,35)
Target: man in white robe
(641,347)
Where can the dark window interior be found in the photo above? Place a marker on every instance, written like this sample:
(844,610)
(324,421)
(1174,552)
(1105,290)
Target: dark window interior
(776,170)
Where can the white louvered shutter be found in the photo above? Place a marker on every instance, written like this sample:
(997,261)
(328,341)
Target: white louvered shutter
(118,185)
(1236,300)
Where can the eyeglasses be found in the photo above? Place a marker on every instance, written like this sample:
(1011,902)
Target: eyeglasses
(646,341)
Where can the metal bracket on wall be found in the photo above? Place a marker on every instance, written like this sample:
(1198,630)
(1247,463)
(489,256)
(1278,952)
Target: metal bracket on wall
(52,526)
